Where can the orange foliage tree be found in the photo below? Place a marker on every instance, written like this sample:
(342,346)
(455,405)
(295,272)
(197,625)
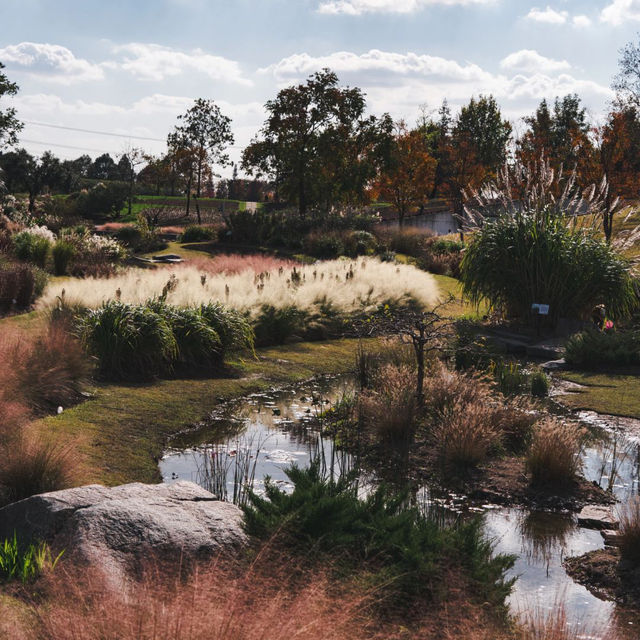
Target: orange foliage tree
(409,176)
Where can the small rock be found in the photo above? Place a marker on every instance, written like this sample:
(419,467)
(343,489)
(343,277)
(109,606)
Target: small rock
(597,517)
(554,365)
(611,537)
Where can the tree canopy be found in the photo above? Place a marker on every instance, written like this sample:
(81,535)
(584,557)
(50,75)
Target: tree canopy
(317,145)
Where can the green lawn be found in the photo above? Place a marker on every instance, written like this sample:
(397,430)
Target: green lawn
(614,394)
(122,430)
(144,202)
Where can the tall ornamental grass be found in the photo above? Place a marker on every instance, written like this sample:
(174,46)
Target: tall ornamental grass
(347,285)
(143,341)
(537,239)
(538,257)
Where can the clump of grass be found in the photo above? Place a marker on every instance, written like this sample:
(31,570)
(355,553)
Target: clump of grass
(509,377)
(46,370)
(389,409)
(196,233)
(275,597)
(553,459)
(276,325)
(129,341)
(23,562)
(465,433)
(629,538)
(467,421)
(360,285)
(32,464)
(137,342)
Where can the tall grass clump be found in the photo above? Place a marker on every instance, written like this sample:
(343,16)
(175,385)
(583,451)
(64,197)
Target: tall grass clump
(195,233)
(32,464)
(130,342)
(554,457)
(46,369)
(274,325)
(389,408)
(232,327)
(198,345)
(24,562)
(33,247)
(466,420)
(62,253)
(361,284)
(629,538)
(531,244)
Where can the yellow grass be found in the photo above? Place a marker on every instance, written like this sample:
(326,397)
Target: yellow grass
(347,284)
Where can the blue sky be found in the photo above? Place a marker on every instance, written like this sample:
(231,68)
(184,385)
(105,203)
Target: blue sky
(131,67)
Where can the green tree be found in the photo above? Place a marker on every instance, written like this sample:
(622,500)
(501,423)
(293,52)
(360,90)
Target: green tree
(205,133)
(9,123)
(103,168)
(481,126)
(316,144)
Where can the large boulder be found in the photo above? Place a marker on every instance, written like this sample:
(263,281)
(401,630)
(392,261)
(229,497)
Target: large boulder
(118,529)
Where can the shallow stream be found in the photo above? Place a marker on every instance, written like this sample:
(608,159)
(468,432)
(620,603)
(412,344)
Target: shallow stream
(267,432)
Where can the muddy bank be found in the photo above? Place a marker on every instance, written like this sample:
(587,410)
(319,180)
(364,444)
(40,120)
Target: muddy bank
(607,576)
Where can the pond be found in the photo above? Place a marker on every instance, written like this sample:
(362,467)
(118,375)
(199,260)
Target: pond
(267,432)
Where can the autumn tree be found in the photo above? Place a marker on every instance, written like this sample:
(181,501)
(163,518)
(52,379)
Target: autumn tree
(316,145)
(407,180)
(205,133)
(561,134)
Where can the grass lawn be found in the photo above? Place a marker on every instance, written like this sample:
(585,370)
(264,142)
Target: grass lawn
(122,430)
(615,394)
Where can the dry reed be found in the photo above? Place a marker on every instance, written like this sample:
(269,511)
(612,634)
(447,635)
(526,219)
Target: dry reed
(553,458)
(629,539)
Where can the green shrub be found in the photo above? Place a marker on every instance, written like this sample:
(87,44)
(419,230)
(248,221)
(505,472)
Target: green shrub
(20,284)
(31,247)
(276,325)
(539,384)
(24,562)
(131,342)
(62,253)
(324,244)
(539,257)
(360,243)
(594,349)
(196,233)
(408,553)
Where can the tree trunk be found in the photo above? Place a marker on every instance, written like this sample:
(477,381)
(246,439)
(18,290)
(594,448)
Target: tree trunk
(188,196)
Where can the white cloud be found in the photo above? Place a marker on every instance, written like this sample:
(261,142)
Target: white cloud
(379,66)
(531,61)
(359,7)
(548,15)
(620,11)
(156,62)
(581,21)
(398,83)
(50,62)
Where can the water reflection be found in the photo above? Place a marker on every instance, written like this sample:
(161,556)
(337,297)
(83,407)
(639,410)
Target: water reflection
(263,434)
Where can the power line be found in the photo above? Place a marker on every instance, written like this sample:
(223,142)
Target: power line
(101,133)
(64,146)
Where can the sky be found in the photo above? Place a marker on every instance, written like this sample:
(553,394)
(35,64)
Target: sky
(130,67)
